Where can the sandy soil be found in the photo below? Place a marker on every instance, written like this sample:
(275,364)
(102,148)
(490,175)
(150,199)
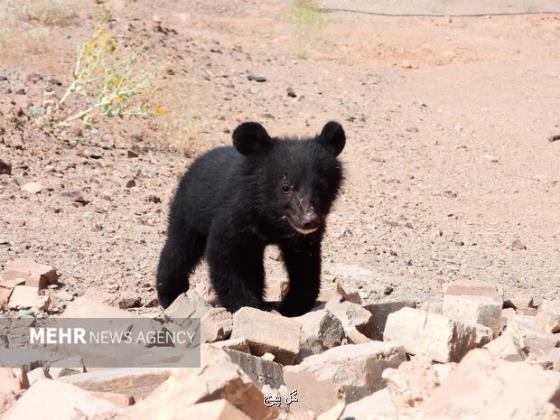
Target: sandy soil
(447,119)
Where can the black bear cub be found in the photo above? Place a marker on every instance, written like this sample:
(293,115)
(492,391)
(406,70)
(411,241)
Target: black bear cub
(234,201)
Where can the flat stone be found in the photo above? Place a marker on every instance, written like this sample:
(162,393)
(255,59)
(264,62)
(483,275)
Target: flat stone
(217,378)
(506,347)
(444,339)
(39,275)
(187,307)
(378,405)
(215,325)
(239,344)
(350,372)
(498,389)
(548,316)
(11,279)
(474,309)
(267,332)
(47,399)
(260,370)
(26,297)
(320,330)
(526,332)
(351,315)
(83,307)
(381,311)
(134,382)
(476,288)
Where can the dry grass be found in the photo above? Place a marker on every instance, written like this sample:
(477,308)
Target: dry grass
(109,80)
(528,7)
(112,75)
(308,21)
(103,73)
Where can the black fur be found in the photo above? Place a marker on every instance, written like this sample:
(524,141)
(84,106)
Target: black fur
(234,201)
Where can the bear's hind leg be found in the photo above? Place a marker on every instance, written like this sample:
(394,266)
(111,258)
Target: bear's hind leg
(179,256)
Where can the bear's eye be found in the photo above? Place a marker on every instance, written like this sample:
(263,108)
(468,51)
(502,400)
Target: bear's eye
(285,187)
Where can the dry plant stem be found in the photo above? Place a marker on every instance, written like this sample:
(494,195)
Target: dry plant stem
(76,77)
(110,79)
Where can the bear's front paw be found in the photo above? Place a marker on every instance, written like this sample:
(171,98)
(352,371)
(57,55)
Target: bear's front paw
(271,307)
(292,309)
(165,300)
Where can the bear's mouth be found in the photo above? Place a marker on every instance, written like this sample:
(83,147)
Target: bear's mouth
(301,229)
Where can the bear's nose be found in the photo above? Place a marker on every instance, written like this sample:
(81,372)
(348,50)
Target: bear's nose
(310,220)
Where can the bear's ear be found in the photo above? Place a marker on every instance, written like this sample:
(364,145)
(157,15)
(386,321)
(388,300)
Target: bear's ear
(332,137)
(250,138)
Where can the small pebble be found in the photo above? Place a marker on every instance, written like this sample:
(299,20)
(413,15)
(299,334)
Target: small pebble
(5,168)
(254,78)
(130,182)
(129,300)
(32,188)
(26,312)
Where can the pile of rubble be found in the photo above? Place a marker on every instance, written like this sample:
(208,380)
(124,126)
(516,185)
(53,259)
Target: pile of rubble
(473,356)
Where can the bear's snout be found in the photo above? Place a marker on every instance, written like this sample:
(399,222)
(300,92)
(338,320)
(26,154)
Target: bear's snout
(305,222)
(310,220)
